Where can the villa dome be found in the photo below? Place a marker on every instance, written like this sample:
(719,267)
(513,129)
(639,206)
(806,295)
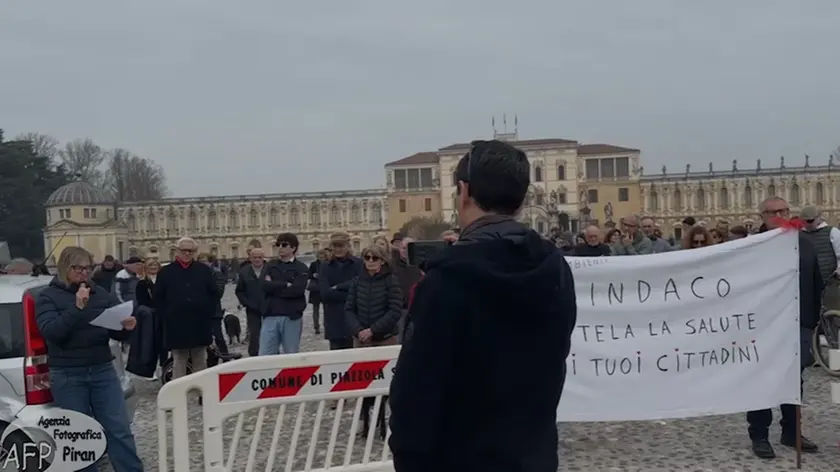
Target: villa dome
(79,193)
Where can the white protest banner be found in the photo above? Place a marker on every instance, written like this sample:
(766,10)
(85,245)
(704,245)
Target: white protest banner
(687,333)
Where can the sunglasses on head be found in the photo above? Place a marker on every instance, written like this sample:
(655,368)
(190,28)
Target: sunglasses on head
(371,258)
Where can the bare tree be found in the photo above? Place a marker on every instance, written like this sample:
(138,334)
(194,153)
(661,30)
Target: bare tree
(83,157)
(424,228)
(133,178)
(44,145)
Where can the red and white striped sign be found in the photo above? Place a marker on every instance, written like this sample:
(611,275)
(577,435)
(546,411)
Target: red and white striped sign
(307,380)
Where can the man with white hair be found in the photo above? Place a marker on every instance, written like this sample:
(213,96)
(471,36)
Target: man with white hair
(186,298)
(594,246)
(649,228)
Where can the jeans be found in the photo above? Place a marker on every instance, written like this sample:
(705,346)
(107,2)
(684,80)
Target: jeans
(253,322)
(316,316)
(280,331)
(219,336)
(96,391)
(197,357)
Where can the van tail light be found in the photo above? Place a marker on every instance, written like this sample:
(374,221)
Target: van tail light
(35,371)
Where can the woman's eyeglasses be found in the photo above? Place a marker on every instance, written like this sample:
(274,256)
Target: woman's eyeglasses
(699,242)
(371,258)
(81,268)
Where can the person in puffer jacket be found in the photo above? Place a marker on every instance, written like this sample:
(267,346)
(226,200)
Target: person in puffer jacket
(125,283)
(373,311)
(374,302)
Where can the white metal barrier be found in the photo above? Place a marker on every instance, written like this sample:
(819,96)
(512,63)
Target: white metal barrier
(259,390)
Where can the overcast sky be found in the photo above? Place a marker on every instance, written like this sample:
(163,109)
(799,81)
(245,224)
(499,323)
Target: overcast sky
(259,96)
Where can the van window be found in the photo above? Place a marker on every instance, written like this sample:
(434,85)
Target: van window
(12,343)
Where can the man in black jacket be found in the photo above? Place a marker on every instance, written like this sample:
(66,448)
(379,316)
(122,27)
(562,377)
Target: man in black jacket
(285,288)
(106,273)
(250,293)
(593,246)
(493,318)
(773,210)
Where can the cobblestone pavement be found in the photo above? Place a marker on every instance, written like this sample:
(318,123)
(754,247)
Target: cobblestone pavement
(717,443)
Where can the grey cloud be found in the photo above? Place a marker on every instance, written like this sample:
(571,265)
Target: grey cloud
(319,96)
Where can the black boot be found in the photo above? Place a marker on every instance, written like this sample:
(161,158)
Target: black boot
(762,449)
(789,440)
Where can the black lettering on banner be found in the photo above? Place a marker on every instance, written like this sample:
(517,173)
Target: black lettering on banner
(720,324)
(663,329)
(647,291)
(693,290)
(677,361)
(624,365)
(671,287)
(681,361)
(603,333)
(723,288)
(614,292)
(316,379)
(618,295)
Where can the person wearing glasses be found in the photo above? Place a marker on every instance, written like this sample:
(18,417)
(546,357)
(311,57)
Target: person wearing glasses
(826,241)
(373,311)
(634,239)
(697,236)
(501,299)
(186,298)
(284,285)
(774,211)
(335,278)
(82,375)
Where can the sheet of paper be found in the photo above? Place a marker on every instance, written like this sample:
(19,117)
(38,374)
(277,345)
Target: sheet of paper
(112,317)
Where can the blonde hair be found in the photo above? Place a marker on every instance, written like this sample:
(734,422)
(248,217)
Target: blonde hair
(377,251)
(148,263)
(70,256)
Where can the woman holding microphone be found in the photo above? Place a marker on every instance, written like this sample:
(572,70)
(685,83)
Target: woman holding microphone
(82,375)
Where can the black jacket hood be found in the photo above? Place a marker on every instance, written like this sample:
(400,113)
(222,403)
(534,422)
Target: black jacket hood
(500,254)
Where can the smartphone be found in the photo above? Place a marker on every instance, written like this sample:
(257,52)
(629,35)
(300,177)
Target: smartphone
(421,251)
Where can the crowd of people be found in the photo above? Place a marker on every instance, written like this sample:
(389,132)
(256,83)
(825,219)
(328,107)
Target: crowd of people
(449,408)
(635,235)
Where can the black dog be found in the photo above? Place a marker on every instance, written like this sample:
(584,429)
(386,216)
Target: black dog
(233,328)
(367,405)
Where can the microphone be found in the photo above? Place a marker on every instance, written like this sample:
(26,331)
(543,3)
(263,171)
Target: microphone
(84,285)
